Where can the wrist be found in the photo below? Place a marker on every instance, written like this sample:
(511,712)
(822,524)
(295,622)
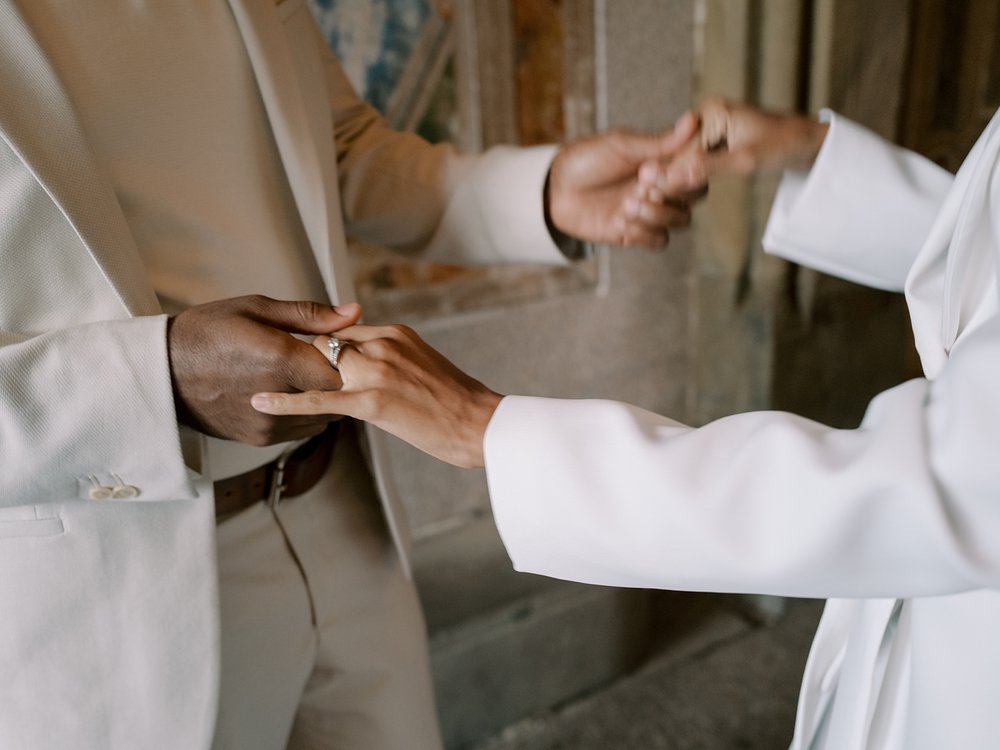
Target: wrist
(815,135)
(174,363)
(171,371)
(484,408)
(568,245)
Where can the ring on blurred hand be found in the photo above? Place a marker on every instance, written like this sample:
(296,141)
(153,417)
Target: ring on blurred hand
(334,348)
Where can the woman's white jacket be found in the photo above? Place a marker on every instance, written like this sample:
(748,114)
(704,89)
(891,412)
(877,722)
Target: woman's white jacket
(896,522)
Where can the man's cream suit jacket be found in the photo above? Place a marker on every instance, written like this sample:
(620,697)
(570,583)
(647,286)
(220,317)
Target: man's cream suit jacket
(897,522)
(109,633)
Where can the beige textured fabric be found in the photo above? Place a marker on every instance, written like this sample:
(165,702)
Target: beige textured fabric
(200,117)
(325,650)
(110,634)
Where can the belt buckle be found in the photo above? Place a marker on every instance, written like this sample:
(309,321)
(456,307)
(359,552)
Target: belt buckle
(278,478)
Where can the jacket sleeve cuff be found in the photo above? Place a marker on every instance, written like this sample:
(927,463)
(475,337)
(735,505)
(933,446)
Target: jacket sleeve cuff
(862,211)
(92,406)
(498,213)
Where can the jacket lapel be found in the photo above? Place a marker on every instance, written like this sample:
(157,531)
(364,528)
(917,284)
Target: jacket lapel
(956,269)
(38,122)
(303,135)
(970,270)
(303,130)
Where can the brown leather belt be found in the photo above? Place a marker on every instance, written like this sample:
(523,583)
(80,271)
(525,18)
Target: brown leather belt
(288,475)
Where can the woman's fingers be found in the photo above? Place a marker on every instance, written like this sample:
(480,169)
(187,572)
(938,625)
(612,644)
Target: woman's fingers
(307,402)
(359,363)
(397,382)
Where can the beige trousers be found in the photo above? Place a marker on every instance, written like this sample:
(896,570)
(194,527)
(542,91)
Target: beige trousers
(323,641)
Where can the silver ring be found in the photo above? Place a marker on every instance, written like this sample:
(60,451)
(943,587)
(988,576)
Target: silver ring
(334,348)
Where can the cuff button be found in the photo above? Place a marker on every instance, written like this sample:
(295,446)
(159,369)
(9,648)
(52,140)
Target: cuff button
(100,493)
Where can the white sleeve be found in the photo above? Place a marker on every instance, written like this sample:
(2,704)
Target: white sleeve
(862,212)
(431,201)
(497,205)
(93,400)
(764,502)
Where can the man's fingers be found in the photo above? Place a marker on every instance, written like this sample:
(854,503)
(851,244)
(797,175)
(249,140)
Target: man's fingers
(303,316)
(640,147)
(348,351)
(681,177)
(634,235)
(308,368)
(305,431)
(682,132)
(268,430)
(740,161)
(687,176)
(348,314)
(656,215)
(684,174)
(367,333)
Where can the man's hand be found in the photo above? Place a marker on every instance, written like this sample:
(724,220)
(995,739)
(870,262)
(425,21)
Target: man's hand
(735,139)
(223,352)
(593,183)
(398,383)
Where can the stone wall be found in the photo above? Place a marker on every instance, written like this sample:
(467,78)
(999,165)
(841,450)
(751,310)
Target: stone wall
(625,338)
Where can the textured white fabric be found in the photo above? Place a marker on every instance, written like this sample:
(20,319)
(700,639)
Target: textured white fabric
(899,519)
(838,241)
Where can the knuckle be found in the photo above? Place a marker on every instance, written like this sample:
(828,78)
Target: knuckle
(379,349)
(279,356)
(262,433)
(254,302)
(308,310)
(399,331)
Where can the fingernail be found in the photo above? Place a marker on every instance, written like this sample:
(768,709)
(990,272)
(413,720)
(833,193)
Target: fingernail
(631,207)
(259,401)
(647,173)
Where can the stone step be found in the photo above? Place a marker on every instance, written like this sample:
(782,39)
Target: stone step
(506,645)
(717,679)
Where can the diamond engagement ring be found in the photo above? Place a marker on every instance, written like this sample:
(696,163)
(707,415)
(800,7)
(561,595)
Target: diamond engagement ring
(334,347)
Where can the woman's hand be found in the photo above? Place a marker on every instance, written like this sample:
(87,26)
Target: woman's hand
(735,139)
(394,380)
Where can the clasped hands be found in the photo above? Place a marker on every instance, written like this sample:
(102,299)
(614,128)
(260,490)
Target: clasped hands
(238,372)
